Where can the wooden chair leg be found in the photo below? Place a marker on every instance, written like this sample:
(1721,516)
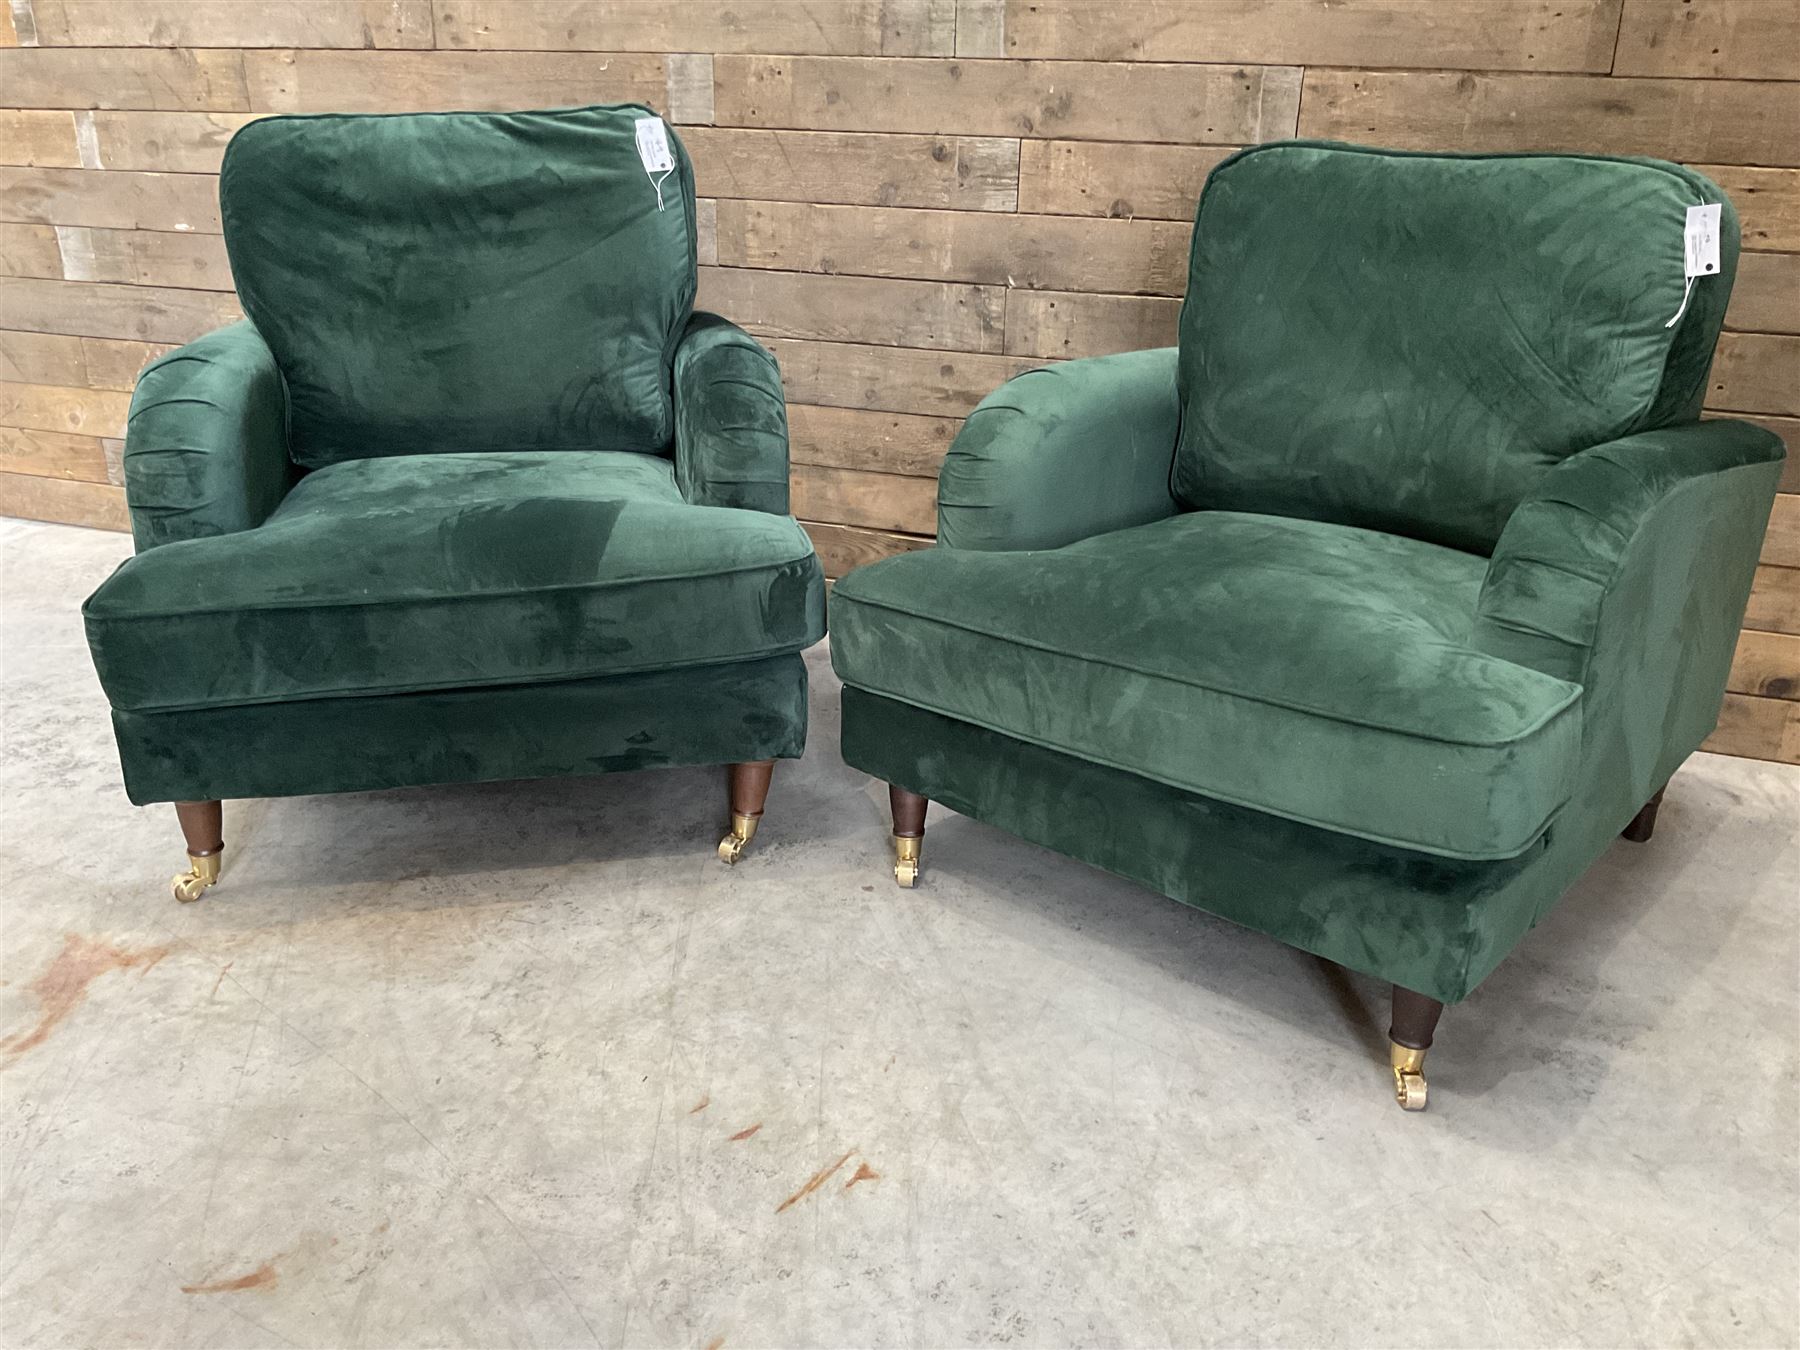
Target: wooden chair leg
(748,788)
(909,833)
(1643,824)
(1409,1037)
(203,826)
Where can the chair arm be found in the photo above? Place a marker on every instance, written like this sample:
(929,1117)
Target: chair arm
(1062,453)
(731,434)
(206,444)
(1627,572)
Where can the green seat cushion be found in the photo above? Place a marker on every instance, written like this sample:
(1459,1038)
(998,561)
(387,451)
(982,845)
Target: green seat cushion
(443,282)
(390,575)
(1316,671)
(1409,342)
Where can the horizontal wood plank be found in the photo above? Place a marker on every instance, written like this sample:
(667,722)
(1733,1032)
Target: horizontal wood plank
(848,309)
(93,309)
(1741,39)
(1766,298)
(1757,728)
(1109,178)
(29,251)
(144,258)
(965,173)
(1767,665)
(177,202)
(844,548)
(123,77)
(232,23)
(53,454)
(38,136)
(76,362)
(1756,373)
(1781,545)
(1035,252)
(1775,600)
(70,502)
(168,142)
(1065,99)
(855,438)
(1070,324)
(880,501)
(891,379)
(1574,35)
(1714,121)
(845,27)
(47,407)
(1767,202)
(435,81)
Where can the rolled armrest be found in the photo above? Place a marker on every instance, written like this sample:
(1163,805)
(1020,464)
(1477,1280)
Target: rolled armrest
(1627,572)
(731,435)
(1059,454)
(206,448)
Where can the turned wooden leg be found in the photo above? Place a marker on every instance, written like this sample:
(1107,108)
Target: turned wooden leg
(203,826)
(1643,824)
(909,833)
(748,787)
(1409,1037)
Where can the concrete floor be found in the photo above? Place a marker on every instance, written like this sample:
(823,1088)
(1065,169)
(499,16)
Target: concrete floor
(521,1064)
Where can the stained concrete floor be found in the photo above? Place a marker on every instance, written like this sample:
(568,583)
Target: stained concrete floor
(522,1064)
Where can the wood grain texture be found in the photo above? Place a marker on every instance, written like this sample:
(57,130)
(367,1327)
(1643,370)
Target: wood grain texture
(144,257)
(1716,121)
(1065,324)
(437,81)
(1457,34)
(44,407)
(891,379)
(1775,601)
(1781,545)
(1065,99)
(1766,298)
(123,77)
(855,438)
(53,454)
(844,548)
(171,142)
(232,23)
(842,27)
(178,202)
(68,501)
(1767,665)
(968,173)
(881,501)
(1034,252)
(76,362)
(38,136)
(1767,202)
(1110,178)
(838,309)
(1757,728)
(29,251)
(1740,39)
(1756,373)
(92,309)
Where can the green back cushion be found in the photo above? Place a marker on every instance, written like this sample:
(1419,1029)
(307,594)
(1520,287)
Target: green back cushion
(463,281)
(1409,342)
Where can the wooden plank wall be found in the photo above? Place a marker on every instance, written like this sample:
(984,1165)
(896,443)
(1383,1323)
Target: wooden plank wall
(909,200)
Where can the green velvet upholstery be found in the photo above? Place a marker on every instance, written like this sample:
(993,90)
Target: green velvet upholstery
(442,282)
(473,495)
(1409,342)
(1343,637)
(453,572)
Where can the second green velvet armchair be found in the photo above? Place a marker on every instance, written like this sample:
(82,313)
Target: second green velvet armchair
(1371,613)
(473,493)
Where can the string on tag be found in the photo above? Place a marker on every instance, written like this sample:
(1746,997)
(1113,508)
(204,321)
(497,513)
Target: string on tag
(1686,291)
(657,182)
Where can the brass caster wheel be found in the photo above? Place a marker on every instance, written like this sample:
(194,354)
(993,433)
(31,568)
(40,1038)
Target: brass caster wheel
(203,871)
(906,861)
(1409,1077)
(743,830)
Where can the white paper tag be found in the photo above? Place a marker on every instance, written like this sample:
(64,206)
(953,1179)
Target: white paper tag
(653,149)
(1701,240)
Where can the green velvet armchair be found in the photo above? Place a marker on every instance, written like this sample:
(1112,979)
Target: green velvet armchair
(472,494)
(1371,613)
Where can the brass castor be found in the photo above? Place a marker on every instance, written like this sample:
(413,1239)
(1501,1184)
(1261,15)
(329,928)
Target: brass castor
(1409,1076)
(906,860)
(743,830)
(203,871)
